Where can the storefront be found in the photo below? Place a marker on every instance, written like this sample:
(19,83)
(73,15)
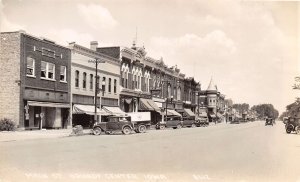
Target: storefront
(48,115)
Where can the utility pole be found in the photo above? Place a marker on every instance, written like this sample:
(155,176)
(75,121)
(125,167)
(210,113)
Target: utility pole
(96,61)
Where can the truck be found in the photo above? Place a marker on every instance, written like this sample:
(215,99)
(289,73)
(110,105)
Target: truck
(139,122)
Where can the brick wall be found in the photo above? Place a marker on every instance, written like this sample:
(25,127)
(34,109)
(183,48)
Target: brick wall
(110,51)
(10,76)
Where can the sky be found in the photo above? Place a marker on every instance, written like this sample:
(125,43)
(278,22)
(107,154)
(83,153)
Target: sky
(249,48)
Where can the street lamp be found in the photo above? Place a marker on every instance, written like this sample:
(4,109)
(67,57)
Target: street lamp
(166,105)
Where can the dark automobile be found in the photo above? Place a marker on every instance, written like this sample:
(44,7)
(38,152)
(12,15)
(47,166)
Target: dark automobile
(120,124)
(202,120)
(189,122)
(269,121)
(292,124)
(174,122)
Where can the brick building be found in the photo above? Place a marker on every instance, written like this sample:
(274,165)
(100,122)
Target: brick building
(148,84)
(35,81)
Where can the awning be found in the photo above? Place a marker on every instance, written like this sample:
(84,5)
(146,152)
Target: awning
(48,104)
(219,115)
(180,110)
(189,112)
(114,111)
(173,113)
(144,105)
(159,104)
(88,109)
(153,105)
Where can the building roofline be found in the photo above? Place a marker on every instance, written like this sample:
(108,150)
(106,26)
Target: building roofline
(43,39)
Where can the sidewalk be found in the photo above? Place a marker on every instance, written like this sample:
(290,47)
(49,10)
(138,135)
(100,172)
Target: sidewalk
(6,136)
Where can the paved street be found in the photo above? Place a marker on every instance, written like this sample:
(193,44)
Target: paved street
(224,152)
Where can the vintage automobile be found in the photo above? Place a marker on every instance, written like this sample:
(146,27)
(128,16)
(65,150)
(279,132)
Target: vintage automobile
(174,122)
(269,121)
(292,124)
(188,122)
(202,119)
(122,124)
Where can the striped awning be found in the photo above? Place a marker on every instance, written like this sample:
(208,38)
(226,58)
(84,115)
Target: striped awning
(172,112)
(189,112)
(88,109)
(144,105)
(114,111)
(148,105)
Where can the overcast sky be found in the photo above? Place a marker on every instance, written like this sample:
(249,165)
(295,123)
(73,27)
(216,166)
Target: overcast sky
(248,47)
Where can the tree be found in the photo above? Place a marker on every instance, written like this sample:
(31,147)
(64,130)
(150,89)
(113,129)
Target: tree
(265,110)
(297,83)
(241,108)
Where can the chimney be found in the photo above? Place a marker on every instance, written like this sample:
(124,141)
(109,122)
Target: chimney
(94,45)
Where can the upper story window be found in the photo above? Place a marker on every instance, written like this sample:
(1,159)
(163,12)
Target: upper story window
(104,83)
(169,91)
(30,71)
(63,73)
(98,82)
(76,78)
(179,93)
(109,85)
(91,81)
(115,86)
(84,80)
(47,70)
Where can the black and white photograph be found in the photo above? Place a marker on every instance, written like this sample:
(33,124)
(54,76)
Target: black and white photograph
(149,91)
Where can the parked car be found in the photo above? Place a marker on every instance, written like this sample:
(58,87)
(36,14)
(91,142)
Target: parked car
(189,122)
(174,122)
(202,120)
(122,124)
(292,124)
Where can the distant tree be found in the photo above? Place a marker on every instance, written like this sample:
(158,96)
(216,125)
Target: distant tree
(265,110)
(297,83)
(241,108)
(293,109)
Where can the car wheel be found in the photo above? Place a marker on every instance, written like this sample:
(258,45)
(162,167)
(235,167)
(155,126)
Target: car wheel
(126,130)
(142,129)
(97,131)
(288,129)
(179,126)
(162,127)
(193,125)
(297,129)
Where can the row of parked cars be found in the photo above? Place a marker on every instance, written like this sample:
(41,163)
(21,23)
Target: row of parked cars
(140,122)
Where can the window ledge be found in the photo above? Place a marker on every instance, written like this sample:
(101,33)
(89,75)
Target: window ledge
(63,81)
(53,80)
(31,76)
